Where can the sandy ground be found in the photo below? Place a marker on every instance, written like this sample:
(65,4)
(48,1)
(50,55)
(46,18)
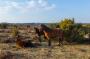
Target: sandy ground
(55,52)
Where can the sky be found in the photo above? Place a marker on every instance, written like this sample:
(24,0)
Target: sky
(44,11)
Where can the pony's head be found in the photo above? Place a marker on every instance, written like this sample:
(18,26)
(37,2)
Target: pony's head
(38,31)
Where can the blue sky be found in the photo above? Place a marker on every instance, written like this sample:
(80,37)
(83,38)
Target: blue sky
(28,11)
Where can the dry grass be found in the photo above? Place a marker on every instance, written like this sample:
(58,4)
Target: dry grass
(9,50)
(55,52)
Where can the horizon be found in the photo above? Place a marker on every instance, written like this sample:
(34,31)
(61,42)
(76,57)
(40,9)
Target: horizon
(36,22)
(44,11)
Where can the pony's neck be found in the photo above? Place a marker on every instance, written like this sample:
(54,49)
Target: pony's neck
(47,29)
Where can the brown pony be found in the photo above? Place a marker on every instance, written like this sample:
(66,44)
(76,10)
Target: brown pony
(52,33)
(23,44)
(19,42)
(39,33)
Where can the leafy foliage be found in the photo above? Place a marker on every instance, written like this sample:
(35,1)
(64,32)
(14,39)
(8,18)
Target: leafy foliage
(66,24)
(72,31)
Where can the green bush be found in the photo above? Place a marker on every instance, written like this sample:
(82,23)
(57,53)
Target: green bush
(72,31)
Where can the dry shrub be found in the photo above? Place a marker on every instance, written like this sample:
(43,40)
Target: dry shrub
(14,32)
(6,55)
(11,55)
(7,40)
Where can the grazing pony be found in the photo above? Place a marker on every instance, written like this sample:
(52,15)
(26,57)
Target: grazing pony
(39,33)
(52,33)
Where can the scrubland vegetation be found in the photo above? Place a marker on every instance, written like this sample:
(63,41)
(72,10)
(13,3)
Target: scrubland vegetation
(76,44)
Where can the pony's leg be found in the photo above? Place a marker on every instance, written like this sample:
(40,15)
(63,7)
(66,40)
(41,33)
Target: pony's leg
(40,39)
(49,42)
(60,42)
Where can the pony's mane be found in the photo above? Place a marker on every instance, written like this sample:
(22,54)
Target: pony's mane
(46,28)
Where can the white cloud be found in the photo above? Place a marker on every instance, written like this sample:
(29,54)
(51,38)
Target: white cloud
(30,5)
(12,10)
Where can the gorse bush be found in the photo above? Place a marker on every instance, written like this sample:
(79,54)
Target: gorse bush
(66,24)
(72,31)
